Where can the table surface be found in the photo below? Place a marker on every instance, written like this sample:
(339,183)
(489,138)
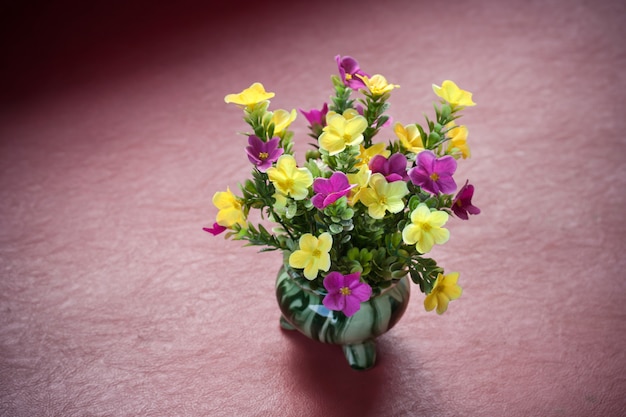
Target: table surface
(114,135)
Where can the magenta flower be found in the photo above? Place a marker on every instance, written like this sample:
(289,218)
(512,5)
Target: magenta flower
(345,292)
(462,203)
(349,69)
(393,169)
(263,154)
(316,117)
(434,174)
(215,230)
(330,189)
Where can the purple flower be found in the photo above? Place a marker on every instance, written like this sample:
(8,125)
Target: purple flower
(263,154)
(462,203)
(316,117)
(345,292)
(393,169)
(330,189)
(215,230)
(434,174)
(349,69)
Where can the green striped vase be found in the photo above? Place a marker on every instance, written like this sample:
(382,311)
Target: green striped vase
(302,310)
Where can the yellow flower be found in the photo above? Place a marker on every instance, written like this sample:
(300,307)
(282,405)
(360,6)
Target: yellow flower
(361,179)
(282,119)
(458,140)
(382,196)
(425,228)
(250,96)
(453,94)
(341,131)
(409,137)
(289,179)
(313,254)
(445,290)
(230,209)
(366,155)
(348,113)
(377,85)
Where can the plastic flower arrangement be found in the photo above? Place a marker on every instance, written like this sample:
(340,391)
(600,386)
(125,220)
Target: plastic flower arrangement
(356,215)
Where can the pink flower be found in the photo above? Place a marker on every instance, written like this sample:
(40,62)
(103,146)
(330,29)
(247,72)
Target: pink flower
(330,189)
(345,292)
(462,203)
(434,174)
(215,230)
(349,69)
(263,154)
(393,169)
(316,119)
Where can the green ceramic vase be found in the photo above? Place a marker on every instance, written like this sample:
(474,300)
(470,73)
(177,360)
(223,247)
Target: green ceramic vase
(302,310)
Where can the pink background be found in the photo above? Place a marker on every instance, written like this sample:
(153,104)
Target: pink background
(114,137)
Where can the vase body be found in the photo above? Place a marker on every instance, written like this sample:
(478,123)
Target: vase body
(302,309)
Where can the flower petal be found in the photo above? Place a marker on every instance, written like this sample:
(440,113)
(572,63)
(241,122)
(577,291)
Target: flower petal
(440,235)
(334,301)
(445,165)
(318,201)
(377,163)
(334,281)
(411,234)
(430,302)
(397,163)
(308,242)
(425,244)
(362,292)
(352,305)
(325,242)
(323,262)
(311,269)
(437,218)
(426,159)
(355,126)
(442,302)
(339,181)
(446,184)
(299,259)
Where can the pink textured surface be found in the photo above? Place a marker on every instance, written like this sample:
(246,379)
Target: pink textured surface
(114,136)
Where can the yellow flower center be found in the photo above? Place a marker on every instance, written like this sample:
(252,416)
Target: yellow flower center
(434,176)
(317,253)
(263,156)
(345,291)
(348,76)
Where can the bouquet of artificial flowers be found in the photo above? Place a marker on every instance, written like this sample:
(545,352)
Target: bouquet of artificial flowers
(356,215)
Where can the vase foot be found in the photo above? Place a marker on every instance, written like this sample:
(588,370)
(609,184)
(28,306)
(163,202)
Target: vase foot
(361,356)
(285,324)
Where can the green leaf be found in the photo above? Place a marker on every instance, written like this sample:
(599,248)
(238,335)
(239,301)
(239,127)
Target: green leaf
(335,229)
